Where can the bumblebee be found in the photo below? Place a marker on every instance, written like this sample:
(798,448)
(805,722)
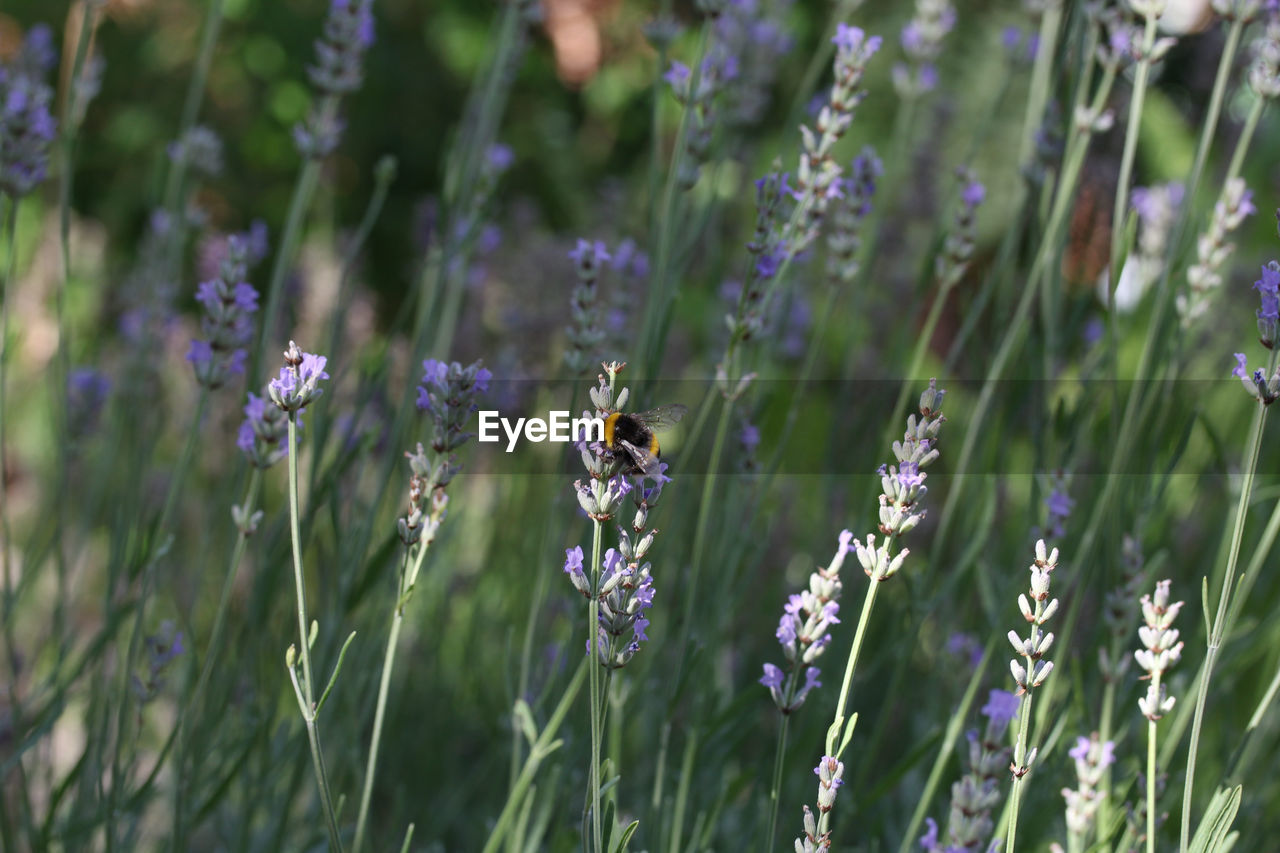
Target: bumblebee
(632,434)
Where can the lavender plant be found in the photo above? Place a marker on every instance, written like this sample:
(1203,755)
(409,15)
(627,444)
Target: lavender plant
(902,489)
(1160,650)
(969,824)
(1029,673)
(448,392)
(140,642)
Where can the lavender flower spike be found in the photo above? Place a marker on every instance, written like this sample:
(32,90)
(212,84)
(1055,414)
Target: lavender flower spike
(338,71)
(1161,649)
(804,632)
(227,324)
(27,128)
(973,797)
(299,380)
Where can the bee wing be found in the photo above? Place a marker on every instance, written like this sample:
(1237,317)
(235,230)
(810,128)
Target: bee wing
(662,416)
(645,461)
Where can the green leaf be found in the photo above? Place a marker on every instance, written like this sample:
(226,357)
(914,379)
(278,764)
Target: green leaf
(625,838)
(608,825)
(1212,834)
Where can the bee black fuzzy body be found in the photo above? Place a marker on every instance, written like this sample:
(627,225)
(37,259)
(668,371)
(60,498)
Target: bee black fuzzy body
(621,429)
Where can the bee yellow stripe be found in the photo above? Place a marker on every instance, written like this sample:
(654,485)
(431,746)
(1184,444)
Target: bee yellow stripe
(609,424)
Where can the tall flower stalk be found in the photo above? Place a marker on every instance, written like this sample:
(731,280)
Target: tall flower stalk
(1263,385)
(338,71)
(448,392)
(296,387)
(619,586)
(804,634)
(1029,673)
(969,823)
(1160,650)
(902,491)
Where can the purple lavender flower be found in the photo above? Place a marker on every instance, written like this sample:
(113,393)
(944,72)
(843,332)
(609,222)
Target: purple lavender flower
(1242,367)
(573,560)
(338,70)
(678,77)
(909,476)
(921,41)
(772,677)
(803,629)
(87,390)
(589,256)
(830,773)
(929,841)
(201,148)
(499,158)
(1001,707)
(39,53)
(227,324)
(263,432)
(768,263)
(973,195)
(1092,757)
(163,648)
(1268,287)
(853,39)
(348,33)
(965,646)
(299,381)
(1059,505)
(449,392)
(27,128)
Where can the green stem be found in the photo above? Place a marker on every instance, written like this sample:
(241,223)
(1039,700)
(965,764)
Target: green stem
(1216,635)
(700,533)
(62,368)
(1038,93)
(309,712)
(1122,204)
(11,249)
(775,787)
(660,293)
(1126,165)
(1020,757)
(384,687)
(1151,771)
(1246,136)
(463,180)
(946,750)
(593,625)
(1161,302)
(407,578)
(837,723)
(1107,715)
(682,792)
(215,643)
(150,557)
(540,749)
(299,205)
(1073,162)
(191,106)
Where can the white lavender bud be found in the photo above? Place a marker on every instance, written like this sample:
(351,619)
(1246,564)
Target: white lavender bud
(1238,10)
(1213,249)
(1161,649)
(1264,73)
(1036,610)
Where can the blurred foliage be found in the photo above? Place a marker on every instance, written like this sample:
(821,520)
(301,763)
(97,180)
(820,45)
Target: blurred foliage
(583,160)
